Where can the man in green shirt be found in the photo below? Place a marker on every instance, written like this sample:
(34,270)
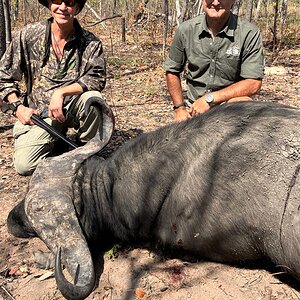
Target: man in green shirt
(224,59)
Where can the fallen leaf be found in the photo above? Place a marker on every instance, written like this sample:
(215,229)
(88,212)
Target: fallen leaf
(140,293)
(13,271)
(24,269)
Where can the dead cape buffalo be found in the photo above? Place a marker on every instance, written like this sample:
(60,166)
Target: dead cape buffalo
(224,185)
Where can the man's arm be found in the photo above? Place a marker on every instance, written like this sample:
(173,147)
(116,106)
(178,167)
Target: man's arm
(93,78)
(55,107)
(23,113)
(240,91)
(11,74)
(55,111)
(175,91)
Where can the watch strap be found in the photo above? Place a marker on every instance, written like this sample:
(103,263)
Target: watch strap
(12,106)
(178,105)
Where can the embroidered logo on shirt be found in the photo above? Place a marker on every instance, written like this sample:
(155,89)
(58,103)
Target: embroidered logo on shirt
(234,51)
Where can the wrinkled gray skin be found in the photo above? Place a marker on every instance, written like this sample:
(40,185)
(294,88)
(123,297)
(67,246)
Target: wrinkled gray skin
(224,185)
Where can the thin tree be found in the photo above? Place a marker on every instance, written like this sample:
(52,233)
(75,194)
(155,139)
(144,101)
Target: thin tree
(257,11)
(178,12)
(16,10)
(183,11)
(2,29)
(24,12)
(249,10)
(166,24)
(7,22)
(283,16)
(275,5)
(236,7)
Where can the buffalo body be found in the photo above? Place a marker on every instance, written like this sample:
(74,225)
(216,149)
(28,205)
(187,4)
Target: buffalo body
(224,185)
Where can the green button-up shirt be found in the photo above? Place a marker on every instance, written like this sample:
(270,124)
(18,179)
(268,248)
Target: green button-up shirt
(236,53)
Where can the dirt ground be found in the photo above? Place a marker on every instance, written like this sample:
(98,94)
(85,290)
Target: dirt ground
(137,93)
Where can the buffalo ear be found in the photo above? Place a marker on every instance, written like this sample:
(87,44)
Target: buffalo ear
(18,223)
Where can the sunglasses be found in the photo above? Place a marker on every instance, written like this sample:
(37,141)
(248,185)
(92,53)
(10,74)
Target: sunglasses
(69,3)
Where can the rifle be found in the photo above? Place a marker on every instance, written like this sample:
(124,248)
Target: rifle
(37,120)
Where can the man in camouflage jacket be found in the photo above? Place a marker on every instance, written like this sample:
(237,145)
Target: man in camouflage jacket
(63,66)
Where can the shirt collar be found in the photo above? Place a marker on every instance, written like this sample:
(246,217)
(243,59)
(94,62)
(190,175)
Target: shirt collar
(230,26)
(47,41)
(201,22)
(228,30)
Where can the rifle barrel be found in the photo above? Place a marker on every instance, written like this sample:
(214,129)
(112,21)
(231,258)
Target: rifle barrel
(37,120)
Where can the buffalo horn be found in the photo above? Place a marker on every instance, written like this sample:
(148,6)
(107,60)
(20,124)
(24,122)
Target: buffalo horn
(76,291)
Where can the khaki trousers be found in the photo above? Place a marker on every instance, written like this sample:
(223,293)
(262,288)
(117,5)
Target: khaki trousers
(33,144)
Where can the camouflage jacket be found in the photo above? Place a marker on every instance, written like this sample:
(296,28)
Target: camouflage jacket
(31,57)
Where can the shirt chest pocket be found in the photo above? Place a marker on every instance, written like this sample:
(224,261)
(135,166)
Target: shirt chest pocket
(229,67)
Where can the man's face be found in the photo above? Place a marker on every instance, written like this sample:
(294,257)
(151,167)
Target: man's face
(63,11)
(217,8)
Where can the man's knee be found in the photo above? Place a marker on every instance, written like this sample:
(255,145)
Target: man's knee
(81,106)
(27,158)
(24,166)
(90,94)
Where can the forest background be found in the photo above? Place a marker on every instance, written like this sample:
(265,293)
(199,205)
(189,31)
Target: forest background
(136,36)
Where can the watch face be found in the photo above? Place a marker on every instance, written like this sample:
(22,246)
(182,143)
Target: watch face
(14,105)
(209,98)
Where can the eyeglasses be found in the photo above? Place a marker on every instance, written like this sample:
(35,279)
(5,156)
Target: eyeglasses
(69,3)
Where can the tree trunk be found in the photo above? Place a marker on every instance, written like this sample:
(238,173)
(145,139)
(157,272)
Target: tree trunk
(178,12)
(283,15)
(183,11)
(114,7)
(138,12)
(236,7)
(267,29)
(92,11)
(257,11)
(123,30)
(24,12)
(249,10)
(166,24)
(7,22)
(275,5)
(200,8)
(2,30)
(14,10)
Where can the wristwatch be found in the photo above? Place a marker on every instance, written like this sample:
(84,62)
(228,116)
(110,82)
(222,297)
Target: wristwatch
(13,106)
(209,98)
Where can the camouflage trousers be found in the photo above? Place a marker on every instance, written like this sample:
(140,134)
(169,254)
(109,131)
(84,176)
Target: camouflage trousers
(33,144)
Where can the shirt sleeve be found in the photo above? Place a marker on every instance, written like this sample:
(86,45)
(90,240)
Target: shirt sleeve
(11,68)
(253,57)
(94,76)
(176,59)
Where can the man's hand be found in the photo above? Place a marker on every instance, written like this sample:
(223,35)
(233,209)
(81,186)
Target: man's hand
(199,107)
(55,110)
(181,114)
(24,114)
